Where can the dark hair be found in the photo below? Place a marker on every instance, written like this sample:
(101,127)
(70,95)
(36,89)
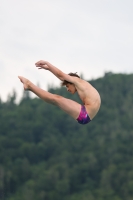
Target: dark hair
(70,74)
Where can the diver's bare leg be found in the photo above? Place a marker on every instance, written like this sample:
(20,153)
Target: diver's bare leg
(69,106)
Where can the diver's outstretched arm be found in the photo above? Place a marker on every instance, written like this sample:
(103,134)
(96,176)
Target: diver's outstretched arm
(57,72)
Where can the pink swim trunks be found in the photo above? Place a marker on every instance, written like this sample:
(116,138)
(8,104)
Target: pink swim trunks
(83,117)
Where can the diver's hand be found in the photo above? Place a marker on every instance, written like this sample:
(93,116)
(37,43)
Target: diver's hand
(42,65)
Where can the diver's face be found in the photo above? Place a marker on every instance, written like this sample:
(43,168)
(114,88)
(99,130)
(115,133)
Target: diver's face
(71,88)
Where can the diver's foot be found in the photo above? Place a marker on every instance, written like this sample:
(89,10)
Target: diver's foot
(25,82)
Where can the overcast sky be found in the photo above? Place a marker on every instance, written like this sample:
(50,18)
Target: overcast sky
(85,36)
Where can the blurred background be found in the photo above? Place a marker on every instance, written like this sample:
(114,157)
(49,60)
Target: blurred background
(44,153)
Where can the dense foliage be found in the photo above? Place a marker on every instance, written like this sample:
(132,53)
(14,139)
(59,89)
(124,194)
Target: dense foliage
(46,155)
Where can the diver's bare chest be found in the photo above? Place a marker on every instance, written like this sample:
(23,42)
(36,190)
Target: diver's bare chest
(83,98)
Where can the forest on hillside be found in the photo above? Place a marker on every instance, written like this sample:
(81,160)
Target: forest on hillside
(46,155)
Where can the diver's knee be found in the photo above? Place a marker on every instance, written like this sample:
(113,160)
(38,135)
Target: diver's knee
(56,99)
